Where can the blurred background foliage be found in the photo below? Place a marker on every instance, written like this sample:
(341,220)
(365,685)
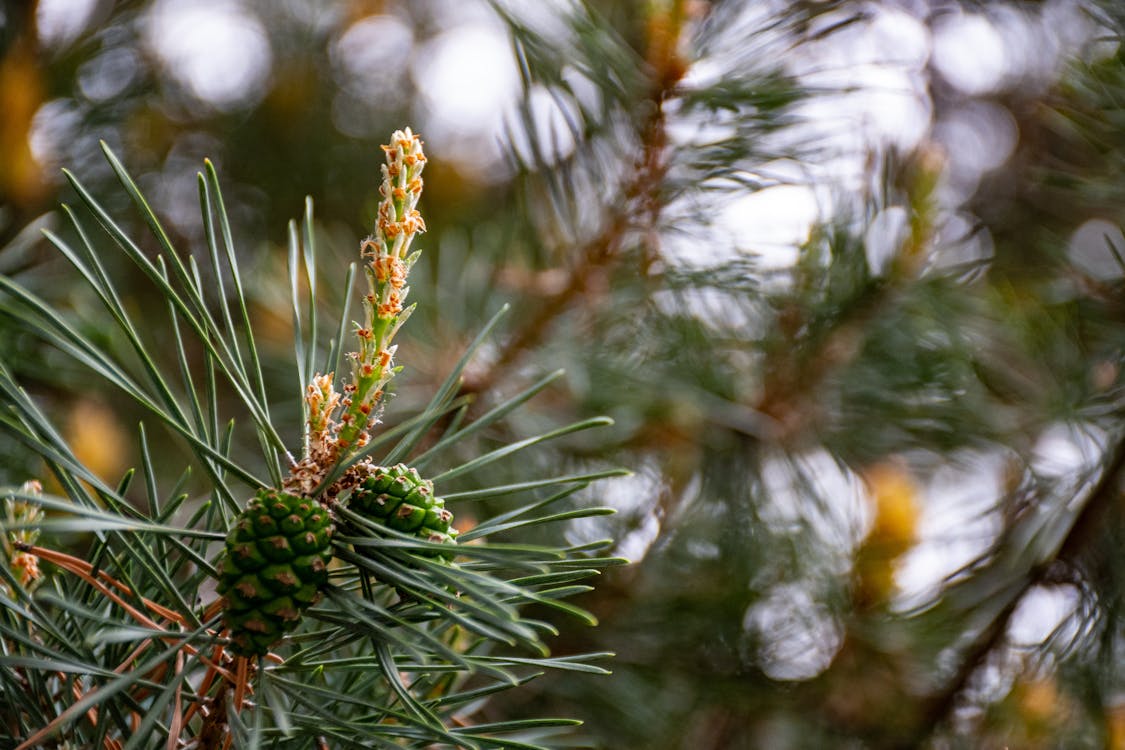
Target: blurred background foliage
(846,274)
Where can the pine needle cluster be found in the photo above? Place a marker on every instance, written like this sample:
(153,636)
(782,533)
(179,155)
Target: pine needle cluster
(382,634)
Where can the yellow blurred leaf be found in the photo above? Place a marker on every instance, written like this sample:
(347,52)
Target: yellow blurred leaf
(1115,727)
(893,496)
(98,439)
(21,92)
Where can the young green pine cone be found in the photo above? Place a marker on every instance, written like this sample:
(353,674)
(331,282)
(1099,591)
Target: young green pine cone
(400,499)
(277,556)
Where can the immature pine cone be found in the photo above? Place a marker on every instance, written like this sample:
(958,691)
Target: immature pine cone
(277,556)
(400,499)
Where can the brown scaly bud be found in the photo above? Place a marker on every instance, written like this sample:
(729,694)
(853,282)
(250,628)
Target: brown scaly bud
(14,544)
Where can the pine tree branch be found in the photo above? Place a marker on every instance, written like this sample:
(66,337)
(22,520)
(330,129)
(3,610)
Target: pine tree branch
(138,632)
(640,206)
(1089,522)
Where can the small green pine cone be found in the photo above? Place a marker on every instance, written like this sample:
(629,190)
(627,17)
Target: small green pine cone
(400,499)
(276,561)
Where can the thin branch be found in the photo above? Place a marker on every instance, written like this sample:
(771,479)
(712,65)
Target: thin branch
(640,206)
(1087,524)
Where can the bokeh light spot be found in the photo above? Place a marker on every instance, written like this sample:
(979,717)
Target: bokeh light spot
(60,22)
(468,79)
(216,49)
(970,54)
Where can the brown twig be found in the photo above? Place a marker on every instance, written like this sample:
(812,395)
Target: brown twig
(639,207)
(109,587)
(1087,524)
(242,682)
(103,583)
(176,726)
(215,731)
